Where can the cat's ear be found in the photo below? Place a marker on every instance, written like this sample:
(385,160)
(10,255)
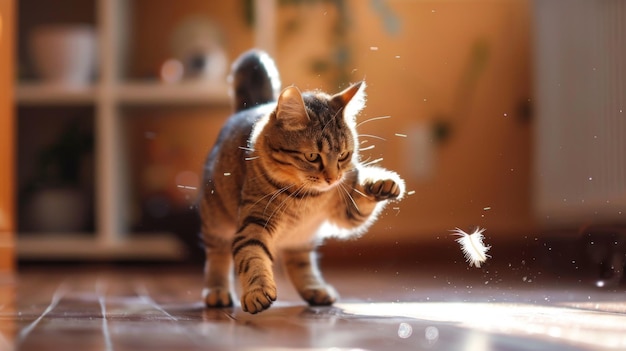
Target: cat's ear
(290,110)
(352,99)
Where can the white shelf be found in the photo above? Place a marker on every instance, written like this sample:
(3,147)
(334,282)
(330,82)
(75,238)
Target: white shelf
(177,93)
(35,93)
(84,246)
(142,93)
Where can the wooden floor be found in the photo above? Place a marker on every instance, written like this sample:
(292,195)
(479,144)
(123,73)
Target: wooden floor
(382,308)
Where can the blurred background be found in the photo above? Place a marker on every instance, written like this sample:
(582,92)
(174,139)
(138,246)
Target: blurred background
(502,114)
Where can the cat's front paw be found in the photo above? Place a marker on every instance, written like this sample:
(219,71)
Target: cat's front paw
(383,189)
(258,297)
(217,297)
(323,295)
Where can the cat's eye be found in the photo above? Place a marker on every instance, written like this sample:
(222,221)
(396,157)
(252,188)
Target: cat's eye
(311,156)
(344,156)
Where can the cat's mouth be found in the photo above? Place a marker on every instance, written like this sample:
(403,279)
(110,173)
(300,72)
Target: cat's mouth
(323,185)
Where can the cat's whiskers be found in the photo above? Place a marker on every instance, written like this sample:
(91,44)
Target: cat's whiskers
(359,192)
(363,162)
(372,162)
(349,196)
(350,170)
(283,204)
(272,194)
(367,148)
(342,195)
(275,195)
(372,119)
(250,150)
(246,148)
(304,203)
(372,136)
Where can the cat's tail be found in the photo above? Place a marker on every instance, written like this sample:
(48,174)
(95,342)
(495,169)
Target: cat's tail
(254,80)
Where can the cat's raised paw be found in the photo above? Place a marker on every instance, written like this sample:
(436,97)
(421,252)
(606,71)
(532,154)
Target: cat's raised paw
(383,189)
(217,297)
(324,295)
(258,299)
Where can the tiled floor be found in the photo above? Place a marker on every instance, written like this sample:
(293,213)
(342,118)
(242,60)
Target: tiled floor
(452,308)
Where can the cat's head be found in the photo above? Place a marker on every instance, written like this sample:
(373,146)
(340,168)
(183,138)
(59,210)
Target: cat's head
(310,138)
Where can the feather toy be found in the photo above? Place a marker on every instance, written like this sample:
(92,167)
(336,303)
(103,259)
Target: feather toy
(472,245)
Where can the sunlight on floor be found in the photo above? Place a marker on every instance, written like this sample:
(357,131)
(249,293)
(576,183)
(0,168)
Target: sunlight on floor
(597,328)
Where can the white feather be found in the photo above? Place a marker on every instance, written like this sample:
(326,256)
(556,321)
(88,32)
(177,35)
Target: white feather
(472,245)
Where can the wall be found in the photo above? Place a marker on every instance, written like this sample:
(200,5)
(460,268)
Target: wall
(7,246)
(463,62)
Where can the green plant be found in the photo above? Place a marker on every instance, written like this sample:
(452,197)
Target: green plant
(61,162)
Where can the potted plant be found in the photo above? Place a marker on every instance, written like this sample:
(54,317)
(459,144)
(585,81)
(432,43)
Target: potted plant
(57,199)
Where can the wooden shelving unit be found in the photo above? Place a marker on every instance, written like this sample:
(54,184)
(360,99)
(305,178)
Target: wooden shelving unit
(108,94)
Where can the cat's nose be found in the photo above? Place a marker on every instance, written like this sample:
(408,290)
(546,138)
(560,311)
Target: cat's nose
(331,176)
(331,180)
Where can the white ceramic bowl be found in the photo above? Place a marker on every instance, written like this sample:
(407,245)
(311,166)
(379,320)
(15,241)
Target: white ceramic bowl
(64,54)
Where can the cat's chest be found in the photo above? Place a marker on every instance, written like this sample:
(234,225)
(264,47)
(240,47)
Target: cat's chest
(303,223)
(294,234)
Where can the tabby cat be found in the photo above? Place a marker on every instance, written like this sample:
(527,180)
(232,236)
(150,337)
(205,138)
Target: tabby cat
(283,175)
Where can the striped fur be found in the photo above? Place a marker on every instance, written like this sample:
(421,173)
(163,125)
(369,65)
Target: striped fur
(282,176)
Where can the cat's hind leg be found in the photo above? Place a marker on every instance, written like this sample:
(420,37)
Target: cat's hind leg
(217,272)
(303,270)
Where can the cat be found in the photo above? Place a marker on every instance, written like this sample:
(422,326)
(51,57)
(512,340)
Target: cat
(283,175)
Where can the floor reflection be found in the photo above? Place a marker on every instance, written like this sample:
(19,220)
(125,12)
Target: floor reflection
(7,311)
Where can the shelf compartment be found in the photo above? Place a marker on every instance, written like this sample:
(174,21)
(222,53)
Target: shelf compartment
(55,168)
(35,13)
